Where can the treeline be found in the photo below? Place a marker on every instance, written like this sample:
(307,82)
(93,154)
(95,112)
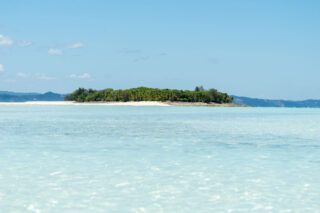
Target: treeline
(149,94)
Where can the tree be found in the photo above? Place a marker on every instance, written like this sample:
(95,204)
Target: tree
(150,94)
(213,94)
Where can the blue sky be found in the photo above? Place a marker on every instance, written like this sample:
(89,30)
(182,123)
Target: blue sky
(264,49)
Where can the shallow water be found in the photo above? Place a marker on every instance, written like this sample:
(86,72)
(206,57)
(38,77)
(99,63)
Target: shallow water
(159,159)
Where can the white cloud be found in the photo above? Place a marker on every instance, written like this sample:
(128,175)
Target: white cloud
(53,51)
(41,76)
(22,75)
(5,41)
(24,44)
(75,45)
(83,76)
(1,68)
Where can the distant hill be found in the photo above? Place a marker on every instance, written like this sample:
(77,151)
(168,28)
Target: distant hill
(6,96)
(255,102)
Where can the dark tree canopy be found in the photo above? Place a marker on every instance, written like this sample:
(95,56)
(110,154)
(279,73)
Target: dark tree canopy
(199,89)
(149,94)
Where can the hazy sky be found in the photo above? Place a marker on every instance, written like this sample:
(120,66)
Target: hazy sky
(265,49)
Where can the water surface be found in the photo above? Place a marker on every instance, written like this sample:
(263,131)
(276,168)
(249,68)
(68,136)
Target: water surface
(159,159)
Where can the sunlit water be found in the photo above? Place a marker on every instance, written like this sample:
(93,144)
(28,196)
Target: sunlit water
(159,159)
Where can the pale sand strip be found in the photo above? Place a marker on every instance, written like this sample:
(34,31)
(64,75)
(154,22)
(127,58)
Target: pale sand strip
(129,103)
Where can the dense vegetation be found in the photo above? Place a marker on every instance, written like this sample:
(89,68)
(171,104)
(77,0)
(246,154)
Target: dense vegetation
(149,94)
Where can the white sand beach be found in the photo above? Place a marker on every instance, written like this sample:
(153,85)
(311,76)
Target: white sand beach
(129,103)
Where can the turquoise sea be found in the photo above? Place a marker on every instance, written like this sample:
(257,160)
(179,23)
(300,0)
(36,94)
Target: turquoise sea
(78,159)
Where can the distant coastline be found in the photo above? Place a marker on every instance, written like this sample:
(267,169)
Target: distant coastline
(16,97)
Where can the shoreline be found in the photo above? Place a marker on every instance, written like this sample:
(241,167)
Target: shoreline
(129,103)
(205,104)
(140,103)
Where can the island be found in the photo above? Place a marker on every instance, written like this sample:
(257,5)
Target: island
(198,97)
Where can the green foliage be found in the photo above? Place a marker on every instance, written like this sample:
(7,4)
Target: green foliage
(149,94)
